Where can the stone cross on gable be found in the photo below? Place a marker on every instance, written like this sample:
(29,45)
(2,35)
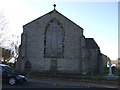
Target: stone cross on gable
(54,6)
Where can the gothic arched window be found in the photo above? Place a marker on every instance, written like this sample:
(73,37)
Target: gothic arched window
(54,40)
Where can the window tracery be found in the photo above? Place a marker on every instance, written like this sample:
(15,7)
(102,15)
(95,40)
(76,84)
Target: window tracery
(54,38)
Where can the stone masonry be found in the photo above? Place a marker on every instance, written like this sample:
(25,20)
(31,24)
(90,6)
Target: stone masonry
(79,57)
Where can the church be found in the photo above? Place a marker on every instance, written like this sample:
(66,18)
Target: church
(53,43)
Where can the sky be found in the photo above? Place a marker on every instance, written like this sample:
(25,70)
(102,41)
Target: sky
(98,19)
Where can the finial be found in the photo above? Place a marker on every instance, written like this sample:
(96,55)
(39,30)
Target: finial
(54,6)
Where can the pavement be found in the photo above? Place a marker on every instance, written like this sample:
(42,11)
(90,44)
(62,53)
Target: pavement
(58,82)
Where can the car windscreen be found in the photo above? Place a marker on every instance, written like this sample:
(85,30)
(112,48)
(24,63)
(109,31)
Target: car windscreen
(8,68)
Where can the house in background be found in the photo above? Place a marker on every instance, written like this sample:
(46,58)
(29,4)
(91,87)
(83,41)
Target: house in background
(116,63)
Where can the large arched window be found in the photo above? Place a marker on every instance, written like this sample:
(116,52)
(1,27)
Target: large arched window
(54,38)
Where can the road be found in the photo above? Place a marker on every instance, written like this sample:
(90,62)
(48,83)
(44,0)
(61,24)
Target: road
(35,84)
(50,83)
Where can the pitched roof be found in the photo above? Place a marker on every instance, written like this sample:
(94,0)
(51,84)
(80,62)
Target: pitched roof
(58,13)
(91,44)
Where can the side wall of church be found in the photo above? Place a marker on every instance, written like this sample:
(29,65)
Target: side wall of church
(92,61)
(35,33)
(103,63)
(83,55)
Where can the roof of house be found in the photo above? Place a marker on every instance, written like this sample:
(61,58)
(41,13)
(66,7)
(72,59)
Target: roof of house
(56,12)
(91,44)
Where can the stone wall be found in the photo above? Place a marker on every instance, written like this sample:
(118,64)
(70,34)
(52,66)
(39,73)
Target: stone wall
(92,61)
(34,32)
(102,63)
(77,58)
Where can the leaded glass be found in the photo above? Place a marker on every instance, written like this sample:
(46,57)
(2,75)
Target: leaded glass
(54,40)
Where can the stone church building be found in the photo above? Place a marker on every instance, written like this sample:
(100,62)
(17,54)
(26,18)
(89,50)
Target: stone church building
(53,43)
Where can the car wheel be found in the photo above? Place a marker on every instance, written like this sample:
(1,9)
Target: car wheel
(12,81)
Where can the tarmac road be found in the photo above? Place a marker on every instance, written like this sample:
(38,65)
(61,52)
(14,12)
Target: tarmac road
(32,83)
(50,83)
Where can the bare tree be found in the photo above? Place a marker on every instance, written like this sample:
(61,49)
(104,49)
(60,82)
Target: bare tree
(14,47)
(3,28)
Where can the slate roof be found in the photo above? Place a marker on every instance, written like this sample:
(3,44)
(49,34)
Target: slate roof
(52,12)
(91,44)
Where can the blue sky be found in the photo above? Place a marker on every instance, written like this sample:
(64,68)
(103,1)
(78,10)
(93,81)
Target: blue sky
(98,19)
